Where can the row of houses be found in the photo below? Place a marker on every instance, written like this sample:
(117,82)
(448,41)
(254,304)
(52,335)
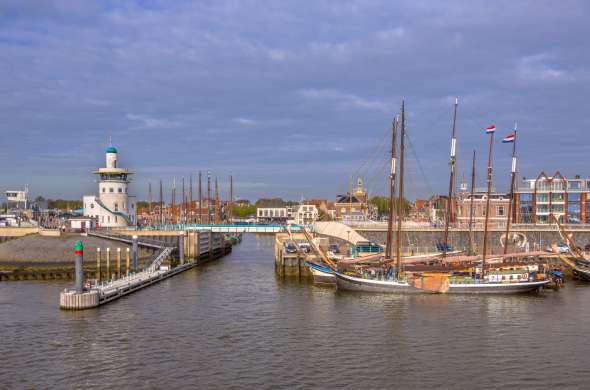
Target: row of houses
(353,206)
(535,200)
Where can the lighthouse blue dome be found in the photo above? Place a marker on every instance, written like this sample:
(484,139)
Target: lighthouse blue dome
(111,149)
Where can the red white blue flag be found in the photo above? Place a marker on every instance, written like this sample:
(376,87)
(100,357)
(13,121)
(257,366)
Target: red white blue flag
(509,138)
(490,129)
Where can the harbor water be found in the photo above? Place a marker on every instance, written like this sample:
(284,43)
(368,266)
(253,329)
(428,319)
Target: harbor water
(234,323)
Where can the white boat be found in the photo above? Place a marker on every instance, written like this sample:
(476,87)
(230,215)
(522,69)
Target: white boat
(321,274)
(353,283)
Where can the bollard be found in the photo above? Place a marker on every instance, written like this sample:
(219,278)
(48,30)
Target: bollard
(181,248)
(135,246)
(128,261)
(108,276)
(97,265)
(79,251)
(118,263)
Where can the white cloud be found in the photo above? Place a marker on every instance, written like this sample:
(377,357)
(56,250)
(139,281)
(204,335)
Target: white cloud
(344,100)
(147,122)
(537,68)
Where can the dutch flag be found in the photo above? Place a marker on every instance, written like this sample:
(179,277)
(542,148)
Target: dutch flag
(490,129)
(509,138)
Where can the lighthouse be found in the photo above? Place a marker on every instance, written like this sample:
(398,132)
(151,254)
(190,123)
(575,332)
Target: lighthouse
(113,206)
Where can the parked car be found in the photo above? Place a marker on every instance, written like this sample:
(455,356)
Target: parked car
(334,248)
(290,247)
(562,248)
(304,246)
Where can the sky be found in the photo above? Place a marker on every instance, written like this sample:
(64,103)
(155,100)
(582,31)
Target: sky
(292,98)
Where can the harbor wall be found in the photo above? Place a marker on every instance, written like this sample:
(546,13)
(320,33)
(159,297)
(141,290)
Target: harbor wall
(459,239)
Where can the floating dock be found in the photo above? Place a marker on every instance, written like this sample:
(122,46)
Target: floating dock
(208,246)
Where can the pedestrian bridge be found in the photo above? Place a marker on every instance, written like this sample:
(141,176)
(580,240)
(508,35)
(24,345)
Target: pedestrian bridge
(332,229)
(227,228)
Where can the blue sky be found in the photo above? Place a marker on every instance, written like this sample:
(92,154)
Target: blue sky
(290,97)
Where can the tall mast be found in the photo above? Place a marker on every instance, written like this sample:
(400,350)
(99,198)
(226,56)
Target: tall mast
(350,199)
(389,243)
(511,198)
(400,198)
(183,203)
(488,193)
(190,207)
(150,218)
(231,199)
(200,200)
(216,204)
(471,205)
(161,204)
(173,201)
(452,163)
(208,197)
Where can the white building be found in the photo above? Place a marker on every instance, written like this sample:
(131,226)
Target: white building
(272,214)
(113,207)
(305,214)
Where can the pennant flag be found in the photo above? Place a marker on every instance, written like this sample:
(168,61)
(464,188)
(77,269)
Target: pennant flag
(509,138)
(490,129)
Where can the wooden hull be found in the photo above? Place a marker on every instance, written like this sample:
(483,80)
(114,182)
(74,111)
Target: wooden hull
(321,274)
(321,277)
(496,288)
(581,274)
(351,283)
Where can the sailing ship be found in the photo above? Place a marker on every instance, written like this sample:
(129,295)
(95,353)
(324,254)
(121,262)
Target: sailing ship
(507,279)
(504,280)
(391,280)
(577,260)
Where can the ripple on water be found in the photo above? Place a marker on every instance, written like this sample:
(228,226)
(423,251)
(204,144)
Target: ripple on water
(234,324)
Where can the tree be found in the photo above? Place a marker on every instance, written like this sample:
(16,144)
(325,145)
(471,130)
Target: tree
(243,211)
(382,204)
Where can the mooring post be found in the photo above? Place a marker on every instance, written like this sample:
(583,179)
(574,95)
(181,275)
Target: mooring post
(79,251)
(181,248)
(118,263)
(128,261)
(108,264)
(97,265)
(135,246)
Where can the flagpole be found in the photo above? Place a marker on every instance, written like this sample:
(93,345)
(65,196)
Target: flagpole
(489,191)
(511,197)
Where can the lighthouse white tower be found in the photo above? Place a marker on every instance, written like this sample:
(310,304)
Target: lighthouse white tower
(113,207)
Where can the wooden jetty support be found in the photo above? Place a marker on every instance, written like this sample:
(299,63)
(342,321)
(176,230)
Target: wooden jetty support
(207,246)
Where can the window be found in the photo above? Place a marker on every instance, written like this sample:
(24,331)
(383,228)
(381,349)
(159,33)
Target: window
(120,190)
(116,207)
(115,218)
(111,189)
(500,211)
(574,185)
(91,205)
(526,197)
(132,205)
(542,197)
(574,197)
(108,218)
(558,197)
(103,189)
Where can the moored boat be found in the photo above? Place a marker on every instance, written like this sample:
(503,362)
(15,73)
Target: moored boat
(355,283)
(321,274)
